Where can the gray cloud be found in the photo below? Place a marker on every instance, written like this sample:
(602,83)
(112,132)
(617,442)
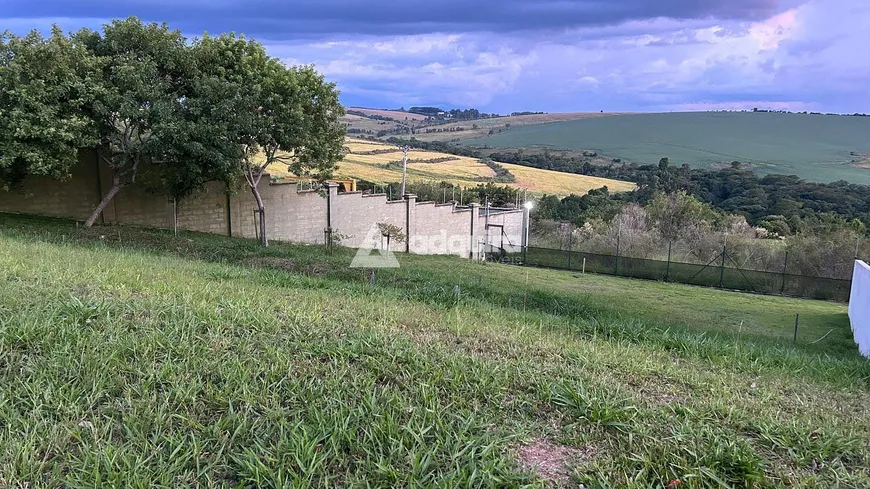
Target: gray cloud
(538,55)
(301,19)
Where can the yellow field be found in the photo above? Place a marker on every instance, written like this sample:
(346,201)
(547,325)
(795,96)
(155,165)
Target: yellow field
(460,170)
(540,181)
(392,114)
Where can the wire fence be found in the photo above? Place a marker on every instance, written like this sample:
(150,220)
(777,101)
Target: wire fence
(721,272)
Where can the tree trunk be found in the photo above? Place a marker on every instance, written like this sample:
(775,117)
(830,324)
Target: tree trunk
(263,239)
(117,185)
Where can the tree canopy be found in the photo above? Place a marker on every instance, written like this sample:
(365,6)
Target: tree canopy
(161,110)
(45,86)
(279,115)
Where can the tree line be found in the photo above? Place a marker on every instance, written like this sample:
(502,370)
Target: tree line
(457,114)
(678,227)
(162,111)
(783,204)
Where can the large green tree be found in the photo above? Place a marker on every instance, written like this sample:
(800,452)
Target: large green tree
(168,113)
(288,116)
(145,69)
(45,85)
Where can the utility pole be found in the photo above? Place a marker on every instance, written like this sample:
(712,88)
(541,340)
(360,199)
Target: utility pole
(404,167)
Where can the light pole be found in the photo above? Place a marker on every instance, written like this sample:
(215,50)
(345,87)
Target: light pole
(404,168)
(527,209)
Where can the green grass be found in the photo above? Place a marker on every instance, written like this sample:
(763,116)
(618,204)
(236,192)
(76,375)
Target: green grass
(135,358)
(814,147)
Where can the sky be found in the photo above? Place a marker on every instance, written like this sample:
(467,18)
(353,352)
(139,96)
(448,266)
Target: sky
(535,55)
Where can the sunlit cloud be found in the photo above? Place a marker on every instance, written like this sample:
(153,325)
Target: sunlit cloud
(552,55)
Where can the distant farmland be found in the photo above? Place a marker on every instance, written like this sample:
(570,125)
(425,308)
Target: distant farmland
(381,164)
(815,147)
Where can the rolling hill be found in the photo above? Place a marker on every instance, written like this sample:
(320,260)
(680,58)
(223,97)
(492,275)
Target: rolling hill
(381,163)
(371,122)
(821,148)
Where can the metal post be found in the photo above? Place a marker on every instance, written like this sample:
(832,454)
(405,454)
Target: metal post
(525,237)
(722,267)
(796,319)
(618,234)
(404,167)
(486,225)
(583,270)
(668,269)
(784,268)
(570,239)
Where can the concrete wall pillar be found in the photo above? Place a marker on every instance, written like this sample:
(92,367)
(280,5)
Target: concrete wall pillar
(331,193)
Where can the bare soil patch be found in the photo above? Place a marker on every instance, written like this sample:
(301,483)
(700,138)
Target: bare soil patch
(551,461)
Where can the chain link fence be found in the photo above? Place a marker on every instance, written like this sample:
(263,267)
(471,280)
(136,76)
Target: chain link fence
(814,270)
(715,274)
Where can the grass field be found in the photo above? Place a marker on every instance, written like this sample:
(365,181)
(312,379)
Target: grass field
(504,124)
(815,147)
(134,358)
(386,168)
(418,122)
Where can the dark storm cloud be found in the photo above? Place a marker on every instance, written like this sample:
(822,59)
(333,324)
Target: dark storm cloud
(279,20)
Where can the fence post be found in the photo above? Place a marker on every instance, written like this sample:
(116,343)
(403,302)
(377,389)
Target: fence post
(796,319)
(722,267)
(668,269)
(618,234)
(570,240)
(784,268)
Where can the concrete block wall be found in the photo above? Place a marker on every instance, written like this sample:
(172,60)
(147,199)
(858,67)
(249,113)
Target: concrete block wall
(509,234)
(291,214)
(440,229)
(355,217)
(207,213)
(74,198)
